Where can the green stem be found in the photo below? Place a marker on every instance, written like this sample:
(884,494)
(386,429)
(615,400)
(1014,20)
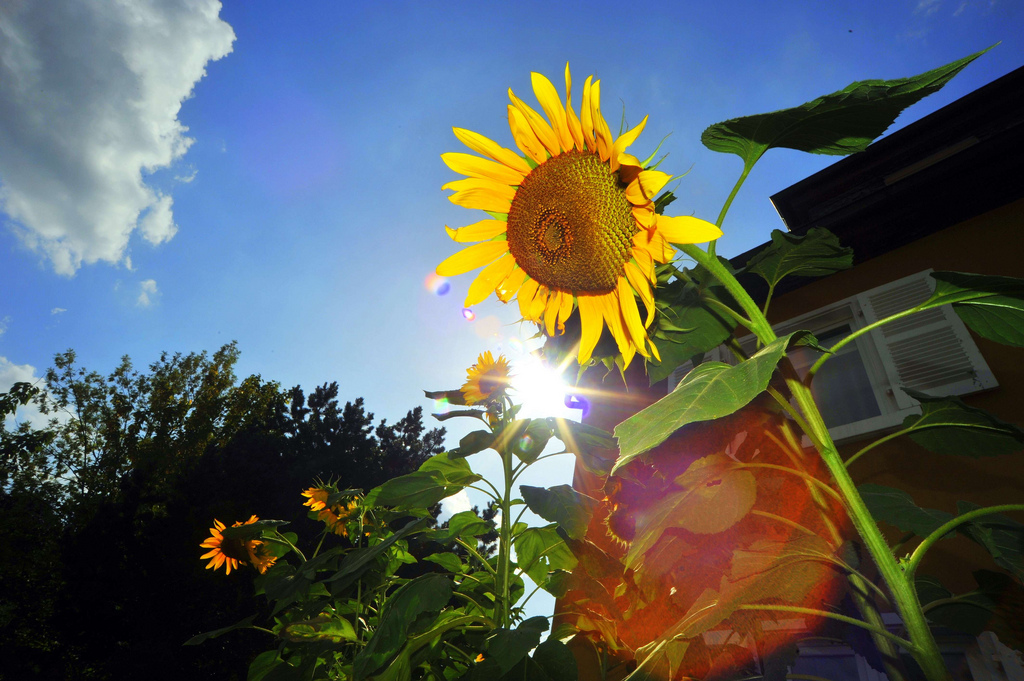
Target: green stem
(788,408)
(768,300)
(806,476)
(731,313)
(879,441)
(281,539)
(831,615)
(462,542)
(503,616)
(942,530)
(728,202)
(924,648)
(855,335)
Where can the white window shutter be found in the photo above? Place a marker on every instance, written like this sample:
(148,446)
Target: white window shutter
(930,351)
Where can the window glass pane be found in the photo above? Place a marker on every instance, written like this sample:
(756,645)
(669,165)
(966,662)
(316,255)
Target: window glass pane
(841,388)
(832,667)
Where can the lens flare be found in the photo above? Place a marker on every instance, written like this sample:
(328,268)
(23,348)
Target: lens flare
(441,406)
(515,345)
(468,314)
(539,388)
(436,284)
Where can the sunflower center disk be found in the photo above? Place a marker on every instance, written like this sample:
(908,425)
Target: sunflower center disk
(570,225)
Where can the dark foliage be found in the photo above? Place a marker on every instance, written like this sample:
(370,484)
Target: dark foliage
(102,510)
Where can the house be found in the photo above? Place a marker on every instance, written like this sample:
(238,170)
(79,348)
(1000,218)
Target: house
(943,193)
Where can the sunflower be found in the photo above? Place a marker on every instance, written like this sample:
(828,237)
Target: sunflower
(336,517)
(317,498)
(487,379)
(231,552)
(574,223)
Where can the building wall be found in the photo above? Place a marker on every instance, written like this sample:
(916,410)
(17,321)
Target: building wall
(992,243)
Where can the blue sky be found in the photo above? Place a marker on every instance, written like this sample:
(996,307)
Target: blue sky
(180,174)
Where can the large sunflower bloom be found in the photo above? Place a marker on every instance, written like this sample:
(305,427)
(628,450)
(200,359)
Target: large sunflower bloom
(486,379)
(574,222)
(231,552)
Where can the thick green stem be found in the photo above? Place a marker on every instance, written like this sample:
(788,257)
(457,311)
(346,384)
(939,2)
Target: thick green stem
(503,615)
(945,528)
(924,648)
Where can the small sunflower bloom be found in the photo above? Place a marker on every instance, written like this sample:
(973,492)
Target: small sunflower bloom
(574,222)
(338,516)
(316,498)
(487,379)
(232,552)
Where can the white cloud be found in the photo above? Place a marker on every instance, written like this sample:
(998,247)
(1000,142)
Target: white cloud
(3,324)
(57,310)
(927,7)
(147,291)
(456,503)
(89,100)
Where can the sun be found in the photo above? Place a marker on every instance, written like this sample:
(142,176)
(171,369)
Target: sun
(540,388)
(573,223)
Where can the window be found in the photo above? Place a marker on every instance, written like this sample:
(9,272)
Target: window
(859,389)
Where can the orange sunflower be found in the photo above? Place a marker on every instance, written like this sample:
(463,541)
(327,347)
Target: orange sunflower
(487,379)
(573,220)
(231,552)
(337,517)
(317,498)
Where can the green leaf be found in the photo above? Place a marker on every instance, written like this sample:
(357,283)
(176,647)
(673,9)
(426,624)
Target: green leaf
(358,561)
(838,124)
(425,594)
(897,508)
(450,396)
(507,647)
(556,660)
(715,495)
(199,638)
(709,392)
(687,325)
(991,306)
(449,561)
(477,441)
(323,628)
(563,505)
(475,413)
(948,426)
(440,476)
(815,254)
(251,530)
(533,441)
(264,664)
(539,550)
(1001,536)
(461,525)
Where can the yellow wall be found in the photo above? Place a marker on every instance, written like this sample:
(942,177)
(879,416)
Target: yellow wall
(992,243)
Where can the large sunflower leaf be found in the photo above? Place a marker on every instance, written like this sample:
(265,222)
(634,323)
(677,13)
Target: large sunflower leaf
(838,124)
(359,561)
(687,324)
(540,550)
(948,426)
(425,594)
(474,442)
(1001,536)
(991,306)
(711,391)
(897,508)
(563,505)
(199,638)
(506,649)
(438,477)
(815,254)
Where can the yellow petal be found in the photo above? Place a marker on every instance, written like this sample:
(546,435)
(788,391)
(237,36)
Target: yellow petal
(643,287)
(524,136)
(511,285)
(497,188)
(646,186)
(575,128)
(654,350)
(549,101)
(643,257)
(628,138)
(645,216)
(481,199)
(564,311)
(526,293)
(613,319)
(628,355)
(470,258)
(478,231)
(474,166)
(631,316)
(551,311)
(685,229)
(590,325)
(601,131)
(539,126)
(485,146)
(540,301)
(587,116)
(488,279)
